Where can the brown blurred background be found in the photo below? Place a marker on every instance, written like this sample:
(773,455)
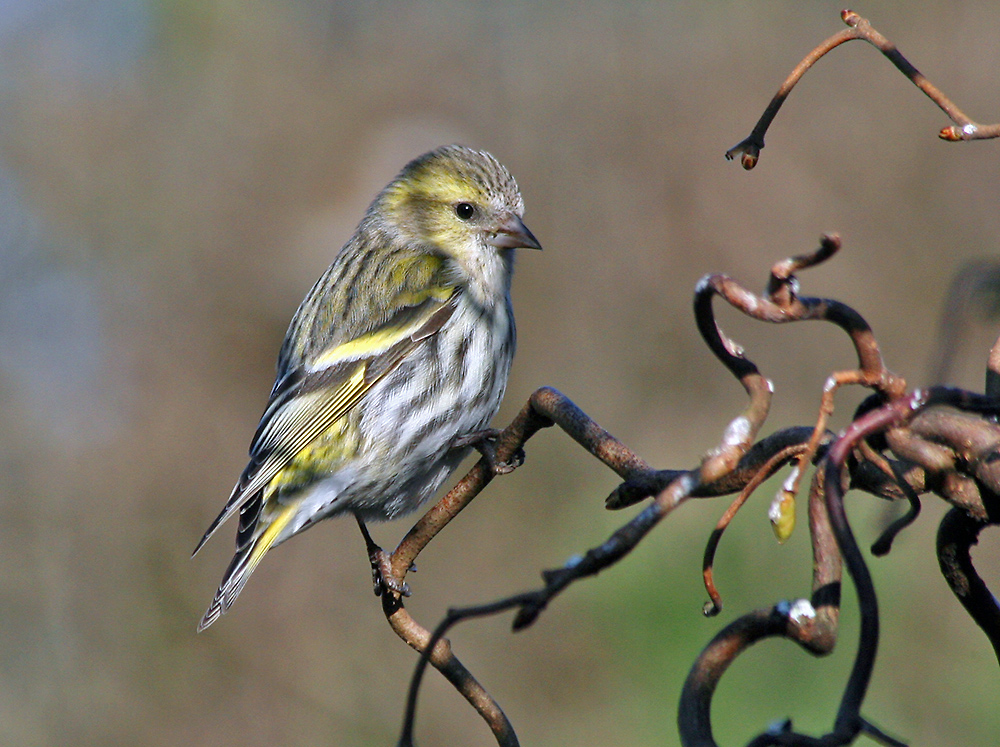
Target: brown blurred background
(175,174)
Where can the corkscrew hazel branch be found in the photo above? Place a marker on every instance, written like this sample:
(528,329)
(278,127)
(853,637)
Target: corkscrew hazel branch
(859,28)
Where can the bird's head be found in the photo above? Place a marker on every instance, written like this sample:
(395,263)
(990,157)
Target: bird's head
(463,205)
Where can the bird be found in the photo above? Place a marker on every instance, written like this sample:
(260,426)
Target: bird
(393,365)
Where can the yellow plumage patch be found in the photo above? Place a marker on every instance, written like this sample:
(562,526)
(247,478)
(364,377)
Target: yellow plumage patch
(269,537)
(443,187)
(418,281)
(316,460)
(364,346)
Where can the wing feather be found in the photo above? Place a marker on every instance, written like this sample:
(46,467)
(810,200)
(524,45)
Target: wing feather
(305,403)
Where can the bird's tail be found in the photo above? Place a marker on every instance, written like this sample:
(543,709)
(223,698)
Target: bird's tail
(249,553)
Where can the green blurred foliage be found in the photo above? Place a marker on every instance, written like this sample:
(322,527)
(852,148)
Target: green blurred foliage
(174,175)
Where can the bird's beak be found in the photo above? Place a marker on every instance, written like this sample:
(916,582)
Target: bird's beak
(513,234)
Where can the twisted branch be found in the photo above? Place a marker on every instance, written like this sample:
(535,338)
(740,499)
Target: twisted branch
(546,407)
(859,28)
(951,454)
(956,535)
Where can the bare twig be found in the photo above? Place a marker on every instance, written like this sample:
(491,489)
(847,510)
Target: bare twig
(544,408)
(506,735)
(936,440)
(849,721)
(952,454)
(810,623)
(859,28)
(647,484)
(714,605)
(957,533)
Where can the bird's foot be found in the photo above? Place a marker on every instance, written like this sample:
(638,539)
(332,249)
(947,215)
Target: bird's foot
(484,442)
(382,579)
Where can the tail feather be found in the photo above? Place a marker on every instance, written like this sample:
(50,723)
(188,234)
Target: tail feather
(247,557)
(237,501)
(232,584)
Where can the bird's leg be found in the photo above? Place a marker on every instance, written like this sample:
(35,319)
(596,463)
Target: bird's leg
(381,561)
(484,442)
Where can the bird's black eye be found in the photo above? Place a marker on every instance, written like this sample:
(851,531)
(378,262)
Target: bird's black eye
(465,210)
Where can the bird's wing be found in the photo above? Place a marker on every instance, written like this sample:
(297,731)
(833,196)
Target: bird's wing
(310,399)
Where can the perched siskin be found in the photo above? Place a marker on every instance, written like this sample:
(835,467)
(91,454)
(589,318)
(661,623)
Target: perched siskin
(395,361)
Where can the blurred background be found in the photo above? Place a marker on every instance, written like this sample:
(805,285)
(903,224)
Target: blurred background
(175,174)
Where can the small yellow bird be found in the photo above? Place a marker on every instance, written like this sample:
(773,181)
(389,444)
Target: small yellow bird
(393,365)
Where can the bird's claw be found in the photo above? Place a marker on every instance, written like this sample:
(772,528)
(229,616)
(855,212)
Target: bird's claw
(382,578)
(485,443)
